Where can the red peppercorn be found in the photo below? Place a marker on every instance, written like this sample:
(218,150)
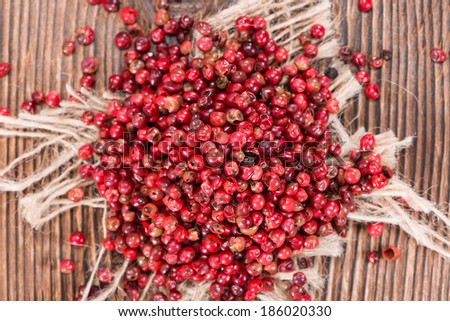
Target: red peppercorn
(352,175)
(367,142)
(89,65)
(85,36)
(365,5)
(345,54)
(87,81)
(5,68)
(28,107)
(75,195)
(281,54)
(38,97)
(243,23)
(372,91)
(317,31)
(373,257)
(205,44)
(362,77)
(77,239)
(85,151)
(128,15)
(375,229)
(437,55)
(123,40)
(391,253)
(53,99)
(258,22)
(67,266)
(261,37)
(111,5)
(359,59)
(375,62)
(204,28)
(68,47)
(4,111)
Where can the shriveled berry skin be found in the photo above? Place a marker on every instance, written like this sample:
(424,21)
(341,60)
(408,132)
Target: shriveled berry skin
(391,253)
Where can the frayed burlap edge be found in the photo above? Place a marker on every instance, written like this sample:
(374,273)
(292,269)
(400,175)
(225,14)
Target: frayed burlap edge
(61,132)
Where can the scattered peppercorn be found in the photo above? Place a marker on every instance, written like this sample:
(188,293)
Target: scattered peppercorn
(5,68)
(391,253)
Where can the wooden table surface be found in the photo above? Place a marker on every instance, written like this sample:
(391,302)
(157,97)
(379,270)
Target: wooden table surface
(415,101)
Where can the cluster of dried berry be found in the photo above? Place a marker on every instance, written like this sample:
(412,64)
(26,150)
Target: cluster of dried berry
(217,168)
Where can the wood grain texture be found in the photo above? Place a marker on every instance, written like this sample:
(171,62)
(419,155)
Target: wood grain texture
(415,101)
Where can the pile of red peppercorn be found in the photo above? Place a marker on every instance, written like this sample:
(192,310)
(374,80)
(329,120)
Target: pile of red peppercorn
(218,168)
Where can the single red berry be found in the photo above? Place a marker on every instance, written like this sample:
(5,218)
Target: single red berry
(85,36)
(28,107)
(317,31)
(75,195)
(38,97)
(438,55)
(67,266)
(204,28)
(386,54)
(375,229)
(259,22)
(205,44)
(85,151)
(365,5)
(53,99)
(367,142)
(111,5)
(391,253)
(243,23)
(108,245)
(5,111)
(359,59)
(345,54)
(281,54)
(142,44)
(89,65)
(372,91)
(77,239)
(373,257)
(87,81)
(379,181)
(5,68)
(299,279)
(68,47)
(123,40)
(105,276)
(362,77)
(376,62)
(128,15)
(352,175)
